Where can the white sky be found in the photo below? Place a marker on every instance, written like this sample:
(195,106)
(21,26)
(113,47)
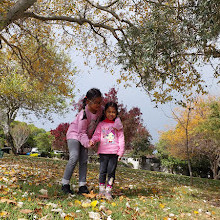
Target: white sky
(155,119)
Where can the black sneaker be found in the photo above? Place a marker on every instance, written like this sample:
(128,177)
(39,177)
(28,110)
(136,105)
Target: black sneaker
(83,189)
(66,189)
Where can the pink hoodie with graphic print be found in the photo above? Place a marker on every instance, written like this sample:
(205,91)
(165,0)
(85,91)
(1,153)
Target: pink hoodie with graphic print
(111,139)
(82,130)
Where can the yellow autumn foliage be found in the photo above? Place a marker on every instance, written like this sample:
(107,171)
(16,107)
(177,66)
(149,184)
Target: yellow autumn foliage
(188,119)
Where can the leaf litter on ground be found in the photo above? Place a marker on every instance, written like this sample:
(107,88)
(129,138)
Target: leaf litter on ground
(30,188)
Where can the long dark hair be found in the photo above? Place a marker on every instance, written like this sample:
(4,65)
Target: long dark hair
(91,94)
(107,105)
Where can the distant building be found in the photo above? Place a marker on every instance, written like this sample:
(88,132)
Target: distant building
(134,161)
(149,162)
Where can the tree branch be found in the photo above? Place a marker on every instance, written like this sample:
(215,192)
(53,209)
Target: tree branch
(79,21)
(105,8)
(15,12)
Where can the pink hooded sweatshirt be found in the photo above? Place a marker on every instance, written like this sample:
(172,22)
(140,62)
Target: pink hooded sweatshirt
(111,139)
(82,130)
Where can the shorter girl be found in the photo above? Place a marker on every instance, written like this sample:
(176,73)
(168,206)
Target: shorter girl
(110,150)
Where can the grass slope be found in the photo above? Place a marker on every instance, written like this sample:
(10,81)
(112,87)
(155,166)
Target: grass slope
(30,189)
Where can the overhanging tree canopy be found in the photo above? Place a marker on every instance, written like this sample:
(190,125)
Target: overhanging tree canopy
(159,42)
(166,44)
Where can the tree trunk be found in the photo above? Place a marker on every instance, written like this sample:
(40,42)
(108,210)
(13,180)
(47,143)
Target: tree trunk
(188,158)
(10,142)
(15,12)
(215,167)
(190,171)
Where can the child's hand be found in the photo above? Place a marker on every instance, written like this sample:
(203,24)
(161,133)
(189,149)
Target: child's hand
(91,144)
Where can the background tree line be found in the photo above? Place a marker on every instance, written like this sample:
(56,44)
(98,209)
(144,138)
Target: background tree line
(203,135)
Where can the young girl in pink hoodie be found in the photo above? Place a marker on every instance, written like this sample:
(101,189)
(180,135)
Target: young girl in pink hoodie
(110,150)
(78,134)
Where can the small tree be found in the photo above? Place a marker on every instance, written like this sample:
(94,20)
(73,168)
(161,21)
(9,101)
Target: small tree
(44,141)
(172,163)
(59,134)
(20,133)
(31,143)
(184,123)
(141,145)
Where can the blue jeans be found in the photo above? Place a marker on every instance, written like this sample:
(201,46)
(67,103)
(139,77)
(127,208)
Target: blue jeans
(108,164)
(76,153)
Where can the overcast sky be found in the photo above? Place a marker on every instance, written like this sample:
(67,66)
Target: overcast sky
(155,119)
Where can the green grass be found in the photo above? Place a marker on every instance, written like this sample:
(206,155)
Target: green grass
(138,194)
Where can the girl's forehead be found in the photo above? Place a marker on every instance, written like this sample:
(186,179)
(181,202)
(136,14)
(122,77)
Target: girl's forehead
(111,108)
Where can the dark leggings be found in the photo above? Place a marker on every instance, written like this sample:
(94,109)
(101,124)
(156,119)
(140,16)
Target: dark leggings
(108,164)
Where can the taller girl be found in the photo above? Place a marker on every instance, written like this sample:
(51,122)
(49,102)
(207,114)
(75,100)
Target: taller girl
(78,135)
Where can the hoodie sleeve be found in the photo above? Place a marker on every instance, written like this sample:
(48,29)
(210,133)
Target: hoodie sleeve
(118,124)
(121,141)
(97,134)
(82,131)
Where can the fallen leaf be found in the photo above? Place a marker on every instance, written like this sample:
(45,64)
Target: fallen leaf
(57,210)
(68,217)
(94,203)
(4,214)
(108,212)
(86,204)
(53,205)
(38,211)
(94,215)
(77,202)
(9,201)
(26,211)
(20,204)
(113,204)
(162,206)
(46,217)
(62,215)
(121,198)
(43,191)
(91,195)
(43,196)
(70,204)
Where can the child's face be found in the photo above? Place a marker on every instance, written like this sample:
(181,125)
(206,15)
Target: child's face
(111,113)
(94,104)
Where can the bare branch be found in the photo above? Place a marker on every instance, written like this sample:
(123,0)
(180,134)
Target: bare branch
(105,8)
(79,21)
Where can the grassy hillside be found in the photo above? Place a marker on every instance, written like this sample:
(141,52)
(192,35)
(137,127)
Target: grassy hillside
(30,189)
